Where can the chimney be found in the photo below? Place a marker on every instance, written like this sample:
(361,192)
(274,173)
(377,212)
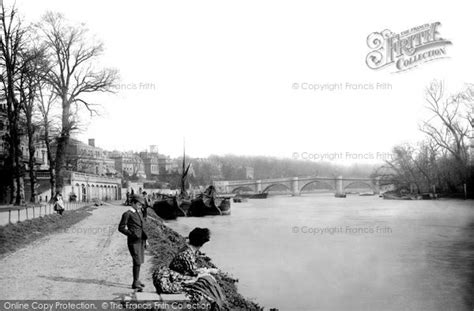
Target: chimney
(92,142)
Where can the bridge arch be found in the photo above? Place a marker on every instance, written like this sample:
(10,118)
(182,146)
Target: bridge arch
(369,185)
(273,185)
(331,186)
(243,188)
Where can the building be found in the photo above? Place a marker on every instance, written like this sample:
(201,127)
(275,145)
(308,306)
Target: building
(128,164)
(41,156)
(166,165)
(151,167)
(151,162)
(41,152)
(86,187)
(87,158)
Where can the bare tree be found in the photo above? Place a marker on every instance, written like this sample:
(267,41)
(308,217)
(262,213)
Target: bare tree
(72,77)
(404,165)
(441,160)
(28,85)
(449,125)
(13,44)
(46,100)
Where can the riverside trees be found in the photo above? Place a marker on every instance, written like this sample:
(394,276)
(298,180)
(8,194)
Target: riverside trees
(46,69)
(72,77)
(441,161)
(15,62)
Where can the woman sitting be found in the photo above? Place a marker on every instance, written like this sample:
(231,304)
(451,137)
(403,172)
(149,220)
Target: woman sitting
(183,275)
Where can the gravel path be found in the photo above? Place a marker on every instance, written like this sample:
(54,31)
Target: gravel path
(90,260)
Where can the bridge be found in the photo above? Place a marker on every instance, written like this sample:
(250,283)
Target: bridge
(297,184)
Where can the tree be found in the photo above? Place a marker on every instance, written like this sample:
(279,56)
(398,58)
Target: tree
(46,100)
(449,124)
(442,159)
(28,88)
(13,47)
(405,166)
(72,77)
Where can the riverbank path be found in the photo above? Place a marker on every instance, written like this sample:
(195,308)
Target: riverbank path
(89,260)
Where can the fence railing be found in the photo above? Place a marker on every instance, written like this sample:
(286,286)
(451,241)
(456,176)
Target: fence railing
(14,214)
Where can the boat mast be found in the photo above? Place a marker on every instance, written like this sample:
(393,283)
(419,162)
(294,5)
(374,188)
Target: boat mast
(183,172)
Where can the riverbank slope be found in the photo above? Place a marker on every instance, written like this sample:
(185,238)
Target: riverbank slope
(83,256)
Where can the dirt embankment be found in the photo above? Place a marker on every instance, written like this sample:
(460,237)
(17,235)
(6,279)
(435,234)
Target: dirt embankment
(70,258)
(164,243)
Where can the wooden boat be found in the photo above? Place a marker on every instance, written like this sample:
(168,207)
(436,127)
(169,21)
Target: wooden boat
(239,199)
(224,205)
(393,196)
(262,195)
(173,206)
(167,207)
(209,203)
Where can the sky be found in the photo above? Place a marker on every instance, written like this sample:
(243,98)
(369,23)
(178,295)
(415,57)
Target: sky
(232,77)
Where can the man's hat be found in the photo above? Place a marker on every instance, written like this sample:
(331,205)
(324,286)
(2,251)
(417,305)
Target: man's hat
(137,198)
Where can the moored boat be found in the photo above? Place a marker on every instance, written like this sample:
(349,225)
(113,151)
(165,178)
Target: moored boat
(171,207)
(239,199)
(394,196)
(167,207)
(262,195)
(224,205)
(209,203)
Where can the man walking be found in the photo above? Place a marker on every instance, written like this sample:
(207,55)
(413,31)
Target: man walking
(132,225)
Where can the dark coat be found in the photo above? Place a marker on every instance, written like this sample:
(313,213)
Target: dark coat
(146,205)
(131,225)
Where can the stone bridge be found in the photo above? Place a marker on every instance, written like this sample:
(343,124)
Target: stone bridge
(296,184)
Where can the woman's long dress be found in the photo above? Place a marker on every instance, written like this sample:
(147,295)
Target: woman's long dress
(181,277)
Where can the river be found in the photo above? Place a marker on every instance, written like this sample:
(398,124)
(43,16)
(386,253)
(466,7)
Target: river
(317,252)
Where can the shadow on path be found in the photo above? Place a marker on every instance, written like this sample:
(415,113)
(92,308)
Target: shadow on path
(86,281)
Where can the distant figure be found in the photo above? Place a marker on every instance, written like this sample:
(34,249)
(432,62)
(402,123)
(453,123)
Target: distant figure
(59,203)
(73,197)
(132,225)
(127,201)
(184,276)
(147,204)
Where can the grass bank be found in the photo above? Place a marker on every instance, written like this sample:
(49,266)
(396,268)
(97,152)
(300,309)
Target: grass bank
(165,243)
(15,236)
